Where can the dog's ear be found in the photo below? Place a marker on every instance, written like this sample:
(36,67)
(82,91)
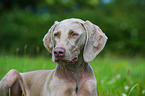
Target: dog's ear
(47,40)
(95,41)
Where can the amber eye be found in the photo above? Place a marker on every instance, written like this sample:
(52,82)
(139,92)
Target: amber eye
(73,34)
(56,35)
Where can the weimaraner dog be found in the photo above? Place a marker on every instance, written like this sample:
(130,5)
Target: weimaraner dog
(73,44)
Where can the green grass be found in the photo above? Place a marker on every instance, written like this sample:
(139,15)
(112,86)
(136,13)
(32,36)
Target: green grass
(115,76)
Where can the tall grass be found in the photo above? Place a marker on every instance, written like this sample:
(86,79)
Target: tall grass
(115,76)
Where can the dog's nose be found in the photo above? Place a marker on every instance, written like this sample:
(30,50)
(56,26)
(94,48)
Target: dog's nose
(59,52)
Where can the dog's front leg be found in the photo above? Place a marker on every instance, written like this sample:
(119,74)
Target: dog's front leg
(86,92)
(11,84)
(87,88)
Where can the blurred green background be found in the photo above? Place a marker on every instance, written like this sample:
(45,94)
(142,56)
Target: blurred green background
(119,67)
(23,23)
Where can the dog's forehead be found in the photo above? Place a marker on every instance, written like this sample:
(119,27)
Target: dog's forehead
(68,25)
(72,20)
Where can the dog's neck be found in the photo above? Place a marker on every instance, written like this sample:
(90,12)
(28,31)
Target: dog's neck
(74,72)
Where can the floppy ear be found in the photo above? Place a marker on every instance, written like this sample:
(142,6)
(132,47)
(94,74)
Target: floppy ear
(47,40)
(95,41)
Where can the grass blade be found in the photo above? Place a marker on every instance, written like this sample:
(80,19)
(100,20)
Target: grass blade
(132,89)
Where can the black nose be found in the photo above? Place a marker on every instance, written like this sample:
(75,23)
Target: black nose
(59,52)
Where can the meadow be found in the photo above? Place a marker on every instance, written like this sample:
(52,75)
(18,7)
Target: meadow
(116,76)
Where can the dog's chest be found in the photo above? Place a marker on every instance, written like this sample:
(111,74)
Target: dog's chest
(59,87)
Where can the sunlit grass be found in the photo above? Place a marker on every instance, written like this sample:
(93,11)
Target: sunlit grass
(24,64)
(115,76)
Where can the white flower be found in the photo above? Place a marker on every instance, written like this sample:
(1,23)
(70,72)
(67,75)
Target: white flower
(123,94)
(112,81)
(143,92)
(118,76)
(126,88)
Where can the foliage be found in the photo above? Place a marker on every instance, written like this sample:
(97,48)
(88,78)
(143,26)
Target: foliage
(115,76)
(25,23)
(20,29)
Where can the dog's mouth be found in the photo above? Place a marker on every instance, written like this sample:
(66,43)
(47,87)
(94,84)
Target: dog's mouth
(74,60)
(60,60)
(63,60)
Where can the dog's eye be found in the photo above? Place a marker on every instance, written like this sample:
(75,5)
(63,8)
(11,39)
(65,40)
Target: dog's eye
(56,35)
(73,34)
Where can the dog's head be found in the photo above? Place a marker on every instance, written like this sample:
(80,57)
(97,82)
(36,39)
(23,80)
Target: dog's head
(67,38)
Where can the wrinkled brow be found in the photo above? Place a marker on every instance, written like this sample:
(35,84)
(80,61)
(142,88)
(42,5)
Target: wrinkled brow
(58,31)
(73,30)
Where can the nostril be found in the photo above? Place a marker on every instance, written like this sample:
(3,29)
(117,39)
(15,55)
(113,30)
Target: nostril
(59,52)
(55,53)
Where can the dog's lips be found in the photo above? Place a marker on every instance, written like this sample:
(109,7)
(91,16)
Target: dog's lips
(74,60)
(60,60)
